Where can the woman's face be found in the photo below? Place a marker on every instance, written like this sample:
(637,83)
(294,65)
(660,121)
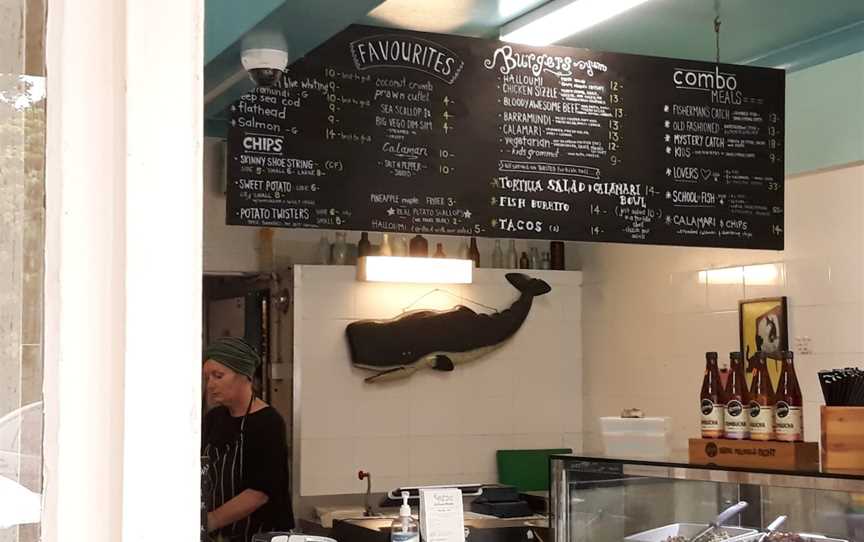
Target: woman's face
(223,385)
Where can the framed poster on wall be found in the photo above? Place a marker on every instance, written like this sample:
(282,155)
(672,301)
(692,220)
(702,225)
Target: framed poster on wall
(763,327)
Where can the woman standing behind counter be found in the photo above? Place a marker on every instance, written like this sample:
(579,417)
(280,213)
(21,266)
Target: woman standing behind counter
(244,439)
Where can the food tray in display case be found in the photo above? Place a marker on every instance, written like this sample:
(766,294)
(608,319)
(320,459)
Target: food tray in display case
(805,537)
(608,499)
(688,531)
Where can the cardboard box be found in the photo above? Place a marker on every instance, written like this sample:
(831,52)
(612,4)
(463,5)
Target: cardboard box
(793,456)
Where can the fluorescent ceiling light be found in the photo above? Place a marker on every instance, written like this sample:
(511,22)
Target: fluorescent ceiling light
(558,19)
(418,270)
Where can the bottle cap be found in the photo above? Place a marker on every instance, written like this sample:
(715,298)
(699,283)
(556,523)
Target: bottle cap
(711,355)
(735,355)
(405,509)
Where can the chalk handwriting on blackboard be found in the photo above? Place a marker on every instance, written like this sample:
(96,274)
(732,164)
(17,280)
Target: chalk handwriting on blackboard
(407,132)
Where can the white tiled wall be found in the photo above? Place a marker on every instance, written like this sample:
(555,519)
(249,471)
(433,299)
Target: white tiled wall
(432,427)
(650,313)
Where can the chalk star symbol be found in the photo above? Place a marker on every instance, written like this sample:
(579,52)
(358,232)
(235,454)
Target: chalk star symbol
(467,214)
(667,138)
(668,150)
(494,222)
(668,220)
(666,124)
(233,108)
(391,211)
(494,182)
(665,108)
(233,122)
(668,172)
(668,195)
(447,100)
(493,201)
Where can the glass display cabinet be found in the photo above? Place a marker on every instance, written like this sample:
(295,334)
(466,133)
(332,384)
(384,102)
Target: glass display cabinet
(602,499)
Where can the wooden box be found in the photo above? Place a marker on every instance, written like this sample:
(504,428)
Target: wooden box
(843,438)
(803,456)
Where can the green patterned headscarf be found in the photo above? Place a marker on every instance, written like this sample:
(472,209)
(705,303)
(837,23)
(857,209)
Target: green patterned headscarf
(234,353)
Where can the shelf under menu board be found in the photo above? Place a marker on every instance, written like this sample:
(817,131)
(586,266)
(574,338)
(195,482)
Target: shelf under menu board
(397,131)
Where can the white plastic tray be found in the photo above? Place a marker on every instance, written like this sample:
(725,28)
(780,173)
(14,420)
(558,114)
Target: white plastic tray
(689,530)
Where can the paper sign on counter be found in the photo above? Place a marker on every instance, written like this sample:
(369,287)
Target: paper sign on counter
(441,515)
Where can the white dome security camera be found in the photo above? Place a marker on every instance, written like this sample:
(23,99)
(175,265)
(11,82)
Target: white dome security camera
(265,66)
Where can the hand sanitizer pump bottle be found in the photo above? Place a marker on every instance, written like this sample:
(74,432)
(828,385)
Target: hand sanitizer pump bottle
(404,528)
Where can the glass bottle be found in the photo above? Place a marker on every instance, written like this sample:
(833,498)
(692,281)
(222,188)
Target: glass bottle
(737,421)
(511,260)
(340,249)
(557,250)
(497,255)
(711,401)
(324,250)
(439,251)
(761,401)
(545,264)
(364,247)
(462,252)
(534,257)
(474,252)
(419,247)
(524,262)
(788,405)
(385,249)
(399,246)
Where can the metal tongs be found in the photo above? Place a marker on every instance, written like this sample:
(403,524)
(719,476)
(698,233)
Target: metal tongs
(722,518)
(771,528)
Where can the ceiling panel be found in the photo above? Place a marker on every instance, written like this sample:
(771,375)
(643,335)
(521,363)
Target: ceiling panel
(786,33)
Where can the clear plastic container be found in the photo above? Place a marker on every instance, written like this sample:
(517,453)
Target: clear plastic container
(647,438)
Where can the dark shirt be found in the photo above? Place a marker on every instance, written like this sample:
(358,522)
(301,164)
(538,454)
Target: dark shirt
(265,464)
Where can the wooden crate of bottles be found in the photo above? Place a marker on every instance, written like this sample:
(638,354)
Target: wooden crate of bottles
(843,438)
(796,456)
(760,425)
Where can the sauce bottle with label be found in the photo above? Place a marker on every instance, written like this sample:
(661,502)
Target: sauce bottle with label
(712,399)
(737,421)
(788,411)
(761,401)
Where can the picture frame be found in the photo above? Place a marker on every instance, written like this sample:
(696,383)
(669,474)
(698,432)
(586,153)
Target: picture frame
(763,325)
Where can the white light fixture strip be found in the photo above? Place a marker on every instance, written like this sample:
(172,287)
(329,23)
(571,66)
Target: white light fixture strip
(414,270)
(558,19)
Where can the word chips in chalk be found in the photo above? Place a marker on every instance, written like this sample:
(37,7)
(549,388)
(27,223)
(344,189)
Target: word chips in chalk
(397,131)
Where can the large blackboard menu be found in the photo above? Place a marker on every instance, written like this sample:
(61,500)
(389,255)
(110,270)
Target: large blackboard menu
(395,131)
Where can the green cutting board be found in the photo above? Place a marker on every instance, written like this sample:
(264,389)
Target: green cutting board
(526,470)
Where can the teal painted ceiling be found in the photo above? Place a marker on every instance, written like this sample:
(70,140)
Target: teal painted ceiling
(790,34)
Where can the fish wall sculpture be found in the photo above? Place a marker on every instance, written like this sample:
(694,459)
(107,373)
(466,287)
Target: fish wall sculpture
(438,340)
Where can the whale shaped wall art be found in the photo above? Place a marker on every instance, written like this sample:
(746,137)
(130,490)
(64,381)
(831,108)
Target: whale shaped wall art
(438,340)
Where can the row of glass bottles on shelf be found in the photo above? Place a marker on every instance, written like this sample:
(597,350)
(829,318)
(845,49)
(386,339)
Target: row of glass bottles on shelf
(341,252)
